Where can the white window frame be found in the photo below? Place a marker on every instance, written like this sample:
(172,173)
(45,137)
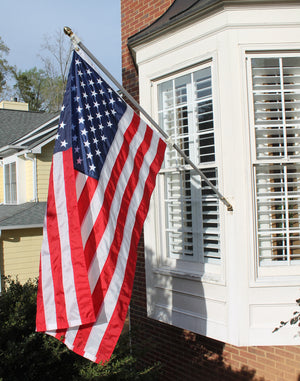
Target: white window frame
(8,165)
(268,268)
(196,264)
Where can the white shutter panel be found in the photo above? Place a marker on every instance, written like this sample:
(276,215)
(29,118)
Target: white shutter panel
(276,101)
(192,210)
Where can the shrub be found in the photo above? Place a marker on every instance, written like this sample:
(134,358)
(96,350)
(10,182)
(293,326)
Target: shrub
(29,355)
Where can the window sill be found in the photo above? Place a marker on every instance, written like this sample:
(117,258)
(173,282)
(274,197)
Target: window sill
(277,275)
(188,275)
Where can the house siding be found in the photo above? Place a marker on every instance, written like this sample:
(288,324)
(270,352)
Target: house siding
(43,170)
(1,185)
(22,252)
(29,180)
(185,355)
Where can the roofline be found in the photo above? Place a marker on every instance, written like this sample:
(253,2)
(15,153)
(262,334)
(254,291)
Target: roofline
(48,131)
(190,15)
(24,138)
(16,227)
(47,139)
(14,147)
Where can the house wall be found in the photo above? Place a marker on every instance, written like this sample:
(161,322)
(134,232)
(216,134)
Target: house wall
(1,185)
(22,253)
(29,180)
(43,170)
(135,16)
(186,355)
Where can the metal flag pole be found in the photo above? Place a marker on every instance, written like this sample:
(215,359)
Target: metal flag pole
(77,43)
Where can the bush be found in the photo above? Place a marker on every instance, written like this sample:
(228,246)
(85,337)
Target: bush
(28,355)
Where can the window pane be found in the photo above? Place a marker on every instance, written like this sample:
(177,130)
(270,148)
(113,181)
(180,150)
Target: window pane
(204,115)
(7,183)
(13,182)
(192,210)
(10,183)
(276,84)
(278,207)
(211,223)
(276,101)
(192,218)
(179,214)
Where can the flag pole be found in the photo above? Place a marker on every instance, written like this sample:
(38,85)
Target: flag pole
(77,43)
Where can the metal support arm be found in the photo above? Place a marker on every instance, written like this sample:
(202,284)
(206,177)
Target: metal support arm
(77,43)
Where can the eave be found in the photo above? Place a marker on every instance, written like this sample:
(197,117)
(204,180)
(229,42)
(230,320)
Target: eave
(188,13)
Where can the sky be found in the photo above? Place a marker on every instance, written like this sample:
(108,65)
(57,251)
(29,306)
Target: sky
(26,23)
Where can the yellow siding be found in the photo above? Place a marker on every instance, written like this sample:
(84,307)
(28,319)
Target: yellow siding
(29,180)
(22,253)
(1,185)
(43,170)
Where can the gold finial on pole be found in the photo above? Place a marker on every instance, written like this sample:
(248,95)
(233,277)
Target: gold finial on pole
(68,31)
(75,40)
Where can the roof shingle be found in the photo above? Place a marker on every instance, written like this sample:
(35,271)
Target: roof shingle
(15,124)
(30,214)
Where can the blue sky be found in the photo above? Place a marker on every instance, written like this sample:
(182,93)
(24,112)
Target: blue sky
(25,23)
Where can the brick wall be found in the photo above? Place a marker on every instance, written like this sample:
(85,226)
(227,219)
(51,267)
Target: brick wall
(135,16)
(183,354)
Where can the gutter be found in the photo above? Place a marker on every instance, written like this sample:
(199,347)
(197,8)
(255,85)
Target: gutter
(12,147)
(16,227)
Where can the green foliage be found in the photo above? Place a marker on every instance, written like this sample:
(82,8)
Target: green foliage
(28,355)
(43,90)
(30,86)
(295,319)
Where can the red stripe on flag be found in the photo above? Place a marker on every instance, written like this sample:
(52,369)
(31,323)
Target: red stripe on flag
(83,294)
(86,196)
(116,323)
(56,266)
(40,315)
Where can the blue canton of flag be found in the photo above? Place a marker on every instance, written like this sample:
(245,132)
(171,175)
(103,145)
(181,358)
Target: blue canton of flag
(95,112)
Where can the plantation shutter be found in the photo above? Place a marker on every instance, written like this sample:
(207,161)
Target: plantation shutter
(276,102)
(192,210)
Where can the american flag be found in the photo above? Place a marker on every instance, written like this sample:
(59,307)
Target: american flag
(102,176)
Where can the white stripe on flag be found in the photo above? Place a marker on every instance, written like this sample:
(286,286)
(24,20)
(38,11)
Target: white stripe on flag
(64,235)
(47,282)
(80,183)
